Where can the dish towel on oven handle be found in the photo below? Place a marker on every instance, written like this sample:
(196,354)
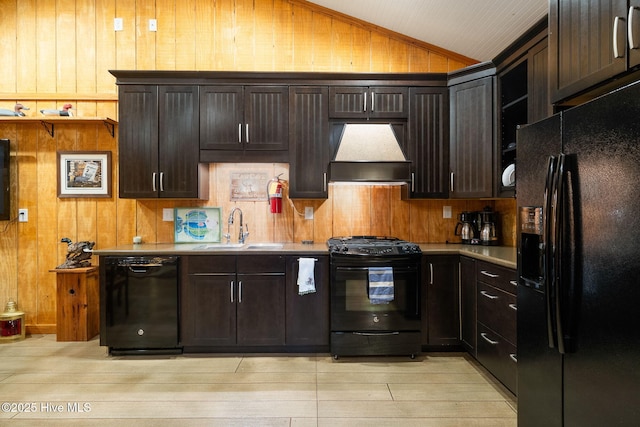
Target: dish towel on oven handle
(306,282)
(381,285)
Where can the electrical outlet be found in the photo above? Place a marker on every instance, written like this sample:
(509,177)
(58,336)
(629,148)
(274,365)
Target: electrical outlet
(308,212)
(23,215)
(153,25)
(446,212)
(118,24)
(167,214)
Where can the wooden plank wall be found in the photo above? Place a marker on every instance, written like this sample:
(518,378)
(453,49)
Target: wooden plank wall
(59,51)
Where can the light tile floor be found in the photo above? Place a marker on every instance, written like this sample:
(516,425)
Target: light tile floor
(49,383)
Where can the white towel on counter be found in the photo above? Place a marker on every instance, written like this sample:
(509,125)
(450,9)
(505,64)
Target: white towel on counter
(306,281)
(381,285)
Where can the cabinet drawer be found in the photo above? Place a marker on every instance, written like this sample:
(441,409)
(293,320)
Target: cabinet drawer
(210,264)
(497,310)
(498,356)
(248,264)
(498,276)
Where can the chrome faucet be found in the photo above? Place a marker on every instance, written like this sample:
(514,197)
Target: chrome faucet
(241,234)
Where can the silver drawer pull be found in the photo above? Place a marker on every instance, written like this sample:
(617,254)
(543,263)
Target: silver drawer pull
(486,273)
(514,282)
(488,295)
(513,357)
(492,342)
(513,307)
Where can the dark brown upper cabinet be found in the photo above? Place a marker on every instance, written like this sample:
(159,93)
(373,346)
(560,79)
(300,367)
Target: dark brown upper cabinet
(309,130)
(158,143)
(471,133)
(363,102)
(428,144)
(244,123)
(590,43)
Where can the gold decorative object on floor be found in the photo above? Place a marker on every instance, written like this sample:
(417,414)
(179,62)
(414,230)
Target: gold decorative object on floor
(12,326)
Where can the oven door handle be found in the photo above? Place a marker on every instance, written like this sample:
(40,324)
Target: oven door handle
(395,269)
(375,334)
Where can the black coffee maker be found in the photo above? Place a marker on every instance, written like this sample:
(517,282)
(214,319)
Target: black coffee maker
(468,228)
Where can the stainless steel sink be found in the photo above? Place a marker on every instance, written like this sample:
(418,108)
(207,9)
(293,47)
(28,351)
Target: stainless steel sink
(265,245)
(218,246)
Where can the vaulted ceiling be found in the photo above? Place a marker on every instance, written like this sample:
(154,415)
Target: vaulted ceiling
(478,29)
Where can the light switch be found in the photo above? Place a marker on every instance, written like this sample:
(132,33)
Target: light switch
(153,25)
(167,214)
(118,25)
(446,212)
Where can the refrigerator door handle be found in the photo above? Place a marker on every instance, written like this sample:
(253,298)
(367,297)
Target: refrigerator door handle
(548,249)
(558,230)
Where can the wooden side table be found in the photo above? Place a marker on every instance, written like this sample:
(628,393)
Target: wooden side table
(78,307)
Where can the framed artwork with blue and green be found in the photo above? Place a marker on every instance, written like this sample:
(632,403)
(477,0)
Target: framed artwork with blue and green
(197,225)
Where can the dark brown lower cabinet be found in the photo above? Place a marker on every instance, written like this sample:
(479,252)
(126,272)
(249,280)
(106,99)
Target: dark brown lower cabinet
(307,316)
(230,300)
(440,302)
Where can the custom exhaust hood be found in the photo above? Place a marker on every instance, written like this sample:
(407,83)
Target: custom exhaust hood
(369,152)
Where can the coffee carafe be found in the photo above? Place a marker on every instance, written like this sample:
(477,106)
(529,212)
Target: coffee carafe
(466,228)
(488,230)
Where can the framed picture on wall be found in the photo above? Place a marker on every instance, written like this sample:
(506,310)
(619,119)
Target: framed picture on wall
(197,224)
(84,174)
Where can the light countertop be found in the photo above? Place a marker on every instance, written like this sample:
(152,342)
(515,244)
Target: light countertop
(501,255)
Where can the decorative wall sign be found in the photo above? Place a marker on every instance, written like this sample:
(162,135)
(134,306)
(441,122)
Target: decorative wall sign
(249,186)
(84,174)
(197,225)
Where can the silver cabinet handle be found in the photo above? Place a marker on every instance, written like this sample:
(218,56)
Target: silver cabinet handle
(616,22)
(324,183)
(161,181)
(231,290)
(490,341)
(451,182)
(153,182)
(373,100)
(632,40)
(488,295)
(513,307)
(246,133)
(486,273)
(413,182)
(239,291)
(514,283)
(364,107)
(431,273)
(513,357)
(239,133)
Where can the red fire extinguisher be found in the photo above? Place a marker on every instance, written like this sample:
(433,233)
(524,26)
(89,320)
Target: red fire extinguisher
(274,195)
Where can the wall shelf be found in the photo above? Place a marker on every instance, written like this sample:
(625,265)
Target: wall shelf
(49,122)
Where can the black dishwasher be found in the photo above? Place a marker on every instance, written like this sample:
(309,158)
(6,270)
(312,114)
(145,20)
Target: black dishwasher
(139,304)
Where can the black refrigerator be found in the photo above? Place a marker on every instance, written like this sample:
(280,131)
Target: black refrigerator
(578,176)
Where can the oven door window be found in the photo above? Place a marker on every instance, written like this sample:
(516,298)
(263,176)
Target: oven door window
(352,308)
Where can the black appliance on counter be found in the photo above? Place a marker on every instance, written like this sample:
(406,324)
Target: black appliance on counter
(363,323)
(579,265)
(139,304)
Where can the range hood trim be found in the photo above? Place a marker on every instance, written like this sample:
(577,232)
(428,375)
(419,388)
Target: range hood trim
(370,171)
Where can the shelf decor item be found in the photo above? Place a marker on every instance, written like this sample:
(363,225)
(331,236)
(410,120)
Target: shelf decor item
(84,174)
(197,225)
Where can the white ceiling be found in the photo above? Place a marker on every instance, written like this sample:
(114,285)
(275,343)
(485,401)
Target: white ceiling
(478,29)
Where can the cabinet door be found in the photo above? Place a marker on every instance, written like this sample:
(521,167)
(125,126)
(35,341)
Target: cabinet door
(540,106)
(428,146)
(581,40)
(307,321)
(261,309)
(178,148)
(309,129)
(471,139)
(266,118)
(368,102)
(221,117)
(138,141)
(468,309)
(440,317)
(209,310)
